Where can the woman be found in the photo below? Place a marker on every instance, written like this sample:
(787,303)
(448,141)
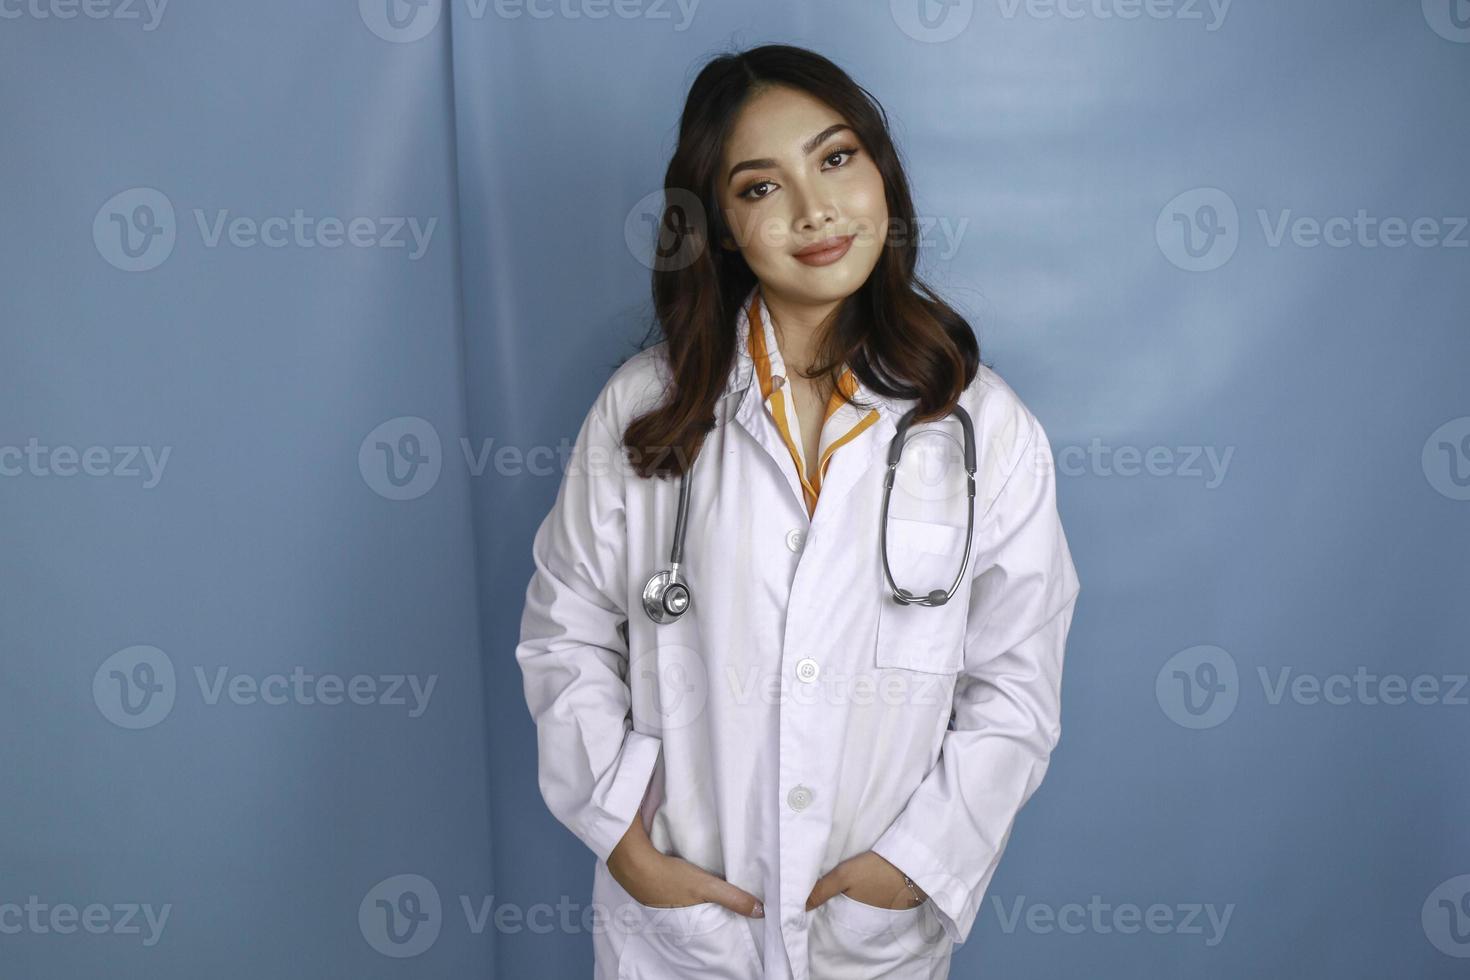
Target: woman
(798,776)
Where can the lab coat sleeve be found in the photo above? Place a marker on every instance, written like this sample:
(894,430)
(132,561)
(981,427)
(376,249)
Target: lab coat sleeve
(1007,704)
(593,768)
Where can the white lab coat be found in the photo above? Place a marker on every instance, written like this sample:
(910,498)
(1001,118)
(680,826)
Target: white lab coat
(796,715)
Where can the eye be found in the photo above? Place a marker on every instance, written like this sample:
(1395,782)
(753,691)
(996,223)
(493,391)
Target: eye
(849,151)
(747,195)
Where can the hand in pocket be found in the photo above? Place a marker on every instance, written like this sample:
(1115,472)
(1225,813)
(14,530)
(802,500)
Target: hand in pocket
(868,878)
(660,880)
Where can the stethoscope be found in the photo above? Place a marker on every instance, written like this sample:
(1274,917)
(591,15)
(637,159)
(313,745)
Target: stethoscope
(666,597)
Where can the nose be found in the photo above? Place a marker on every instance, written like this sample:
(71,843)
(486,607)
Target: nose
(814,206)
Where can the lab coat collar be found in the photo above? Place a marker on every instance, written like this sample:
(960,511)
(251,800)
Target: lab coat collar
(855,461)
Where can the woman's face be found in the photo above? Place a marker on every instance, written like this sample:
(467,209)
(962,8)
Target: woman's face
(801,177)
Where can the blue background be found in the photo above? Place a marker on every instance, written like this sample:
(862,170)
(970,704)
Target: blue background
(1104,193)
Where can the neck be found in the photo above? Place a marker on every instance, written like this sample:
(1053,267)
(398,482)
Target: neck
(798,327)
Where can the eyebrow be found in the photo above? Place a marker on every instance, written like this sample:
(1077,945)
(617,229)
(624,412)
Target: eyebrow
(806,148)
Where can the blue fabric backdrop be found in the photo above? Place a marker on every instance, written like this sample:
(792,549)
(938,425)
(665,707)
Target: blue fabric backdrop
(301,306)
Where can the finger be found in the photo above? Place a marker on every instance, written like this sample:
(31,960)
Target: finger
(712,888)
(733,897)
(827,886)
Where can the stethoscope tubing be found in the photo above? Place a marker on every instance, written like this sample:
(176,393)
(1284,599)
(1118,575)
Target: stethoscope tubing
(666,597)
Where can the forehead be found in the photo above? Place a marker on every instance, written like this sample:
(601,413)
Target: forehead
(776,122)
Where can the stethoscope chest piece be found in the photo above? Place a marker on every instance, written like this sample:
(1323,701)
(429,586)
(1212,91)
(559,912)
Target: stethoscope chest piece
(665,598)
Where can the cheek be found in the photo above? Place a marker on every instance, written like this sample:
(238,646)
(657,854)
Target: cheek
(763,234)
(865,207)
(871,226)
(868,203)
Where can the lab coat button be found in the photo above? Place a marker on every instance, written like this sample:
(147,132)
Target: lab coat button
(795,538)
(799,798)
(806,669)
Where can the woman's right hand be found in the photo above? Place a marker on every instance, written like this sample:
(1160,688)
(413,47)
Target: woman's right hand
(663,881)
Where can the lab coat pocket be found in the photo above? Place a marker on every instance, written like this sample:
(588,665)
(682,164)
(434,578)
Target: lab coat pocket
(853,939)
(923,556)
(704,940)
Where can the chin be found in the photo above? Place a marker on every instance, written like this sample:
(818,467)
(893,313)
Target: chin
(836,281)
(822,284)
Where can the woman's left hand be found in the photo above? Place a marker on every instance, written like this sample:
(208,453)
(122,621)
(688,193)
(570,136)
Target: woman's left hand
(866,878)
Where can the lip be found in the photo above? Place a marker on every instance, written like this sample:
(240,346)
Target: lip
(825,252)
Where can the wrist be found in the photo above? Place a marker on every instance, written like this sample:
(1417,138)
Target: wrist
(634,850)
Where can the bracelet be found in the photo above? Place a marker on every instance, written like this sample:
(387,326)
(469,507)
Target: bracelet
(913,890)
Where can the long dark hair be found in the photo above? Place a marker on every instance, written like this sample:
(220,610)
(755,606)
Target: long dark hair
(898,337)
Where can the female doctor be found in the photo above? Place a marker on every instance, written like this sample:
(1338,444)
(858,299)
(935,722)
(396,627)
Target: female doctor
(798,746)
